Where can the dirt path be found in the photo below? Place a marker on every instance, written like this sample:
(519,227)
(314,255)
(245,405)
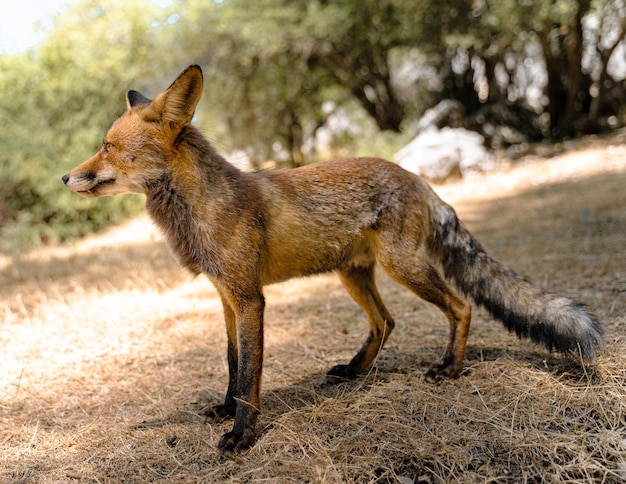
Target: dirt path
(100,336)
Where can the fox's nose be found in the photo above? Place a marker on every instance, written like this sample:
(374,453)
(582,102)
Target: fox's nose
(65,178)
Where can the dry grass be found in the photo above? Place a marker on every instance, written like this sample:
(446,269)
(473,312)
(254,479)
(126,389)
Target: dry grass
(110,353)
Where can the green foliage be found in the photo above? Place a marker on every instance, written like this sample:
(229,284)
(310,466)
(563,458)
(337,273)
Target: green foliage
(280,68)
(64,96)
(279,73)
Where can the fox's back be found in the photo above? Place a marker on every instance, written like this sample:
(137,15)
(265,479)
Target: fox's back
(322,215)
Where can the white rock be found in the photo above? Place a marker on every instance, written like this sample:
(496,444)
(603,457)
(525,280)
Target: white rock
(437,154)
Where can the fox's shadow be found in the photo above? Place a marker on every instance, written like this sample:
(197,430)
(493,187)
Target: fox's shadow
(314,389)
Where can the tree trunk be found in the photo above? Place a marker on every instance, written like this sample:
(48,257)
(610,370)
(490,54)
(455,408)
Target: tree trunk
(379,101)
(562,49)
(574,52)
(602,82)
(367,76)
(294,137)
(459,86)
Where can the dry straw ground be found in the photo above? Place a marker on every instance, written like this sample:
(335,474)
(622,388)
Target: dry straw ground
(110,353)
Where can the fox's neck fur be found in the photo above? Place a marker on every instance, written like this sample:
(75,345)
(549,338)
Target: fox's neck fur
(181,213)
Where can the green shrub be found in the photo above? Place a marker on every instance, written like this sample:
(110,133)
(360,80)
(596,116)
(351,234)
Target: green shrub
(50,121)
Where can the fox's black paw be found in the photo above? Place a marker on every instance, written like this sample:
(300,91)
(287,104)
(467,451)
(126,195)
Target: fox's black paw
(220,412)
(437,372)
(340,373)
(235,442)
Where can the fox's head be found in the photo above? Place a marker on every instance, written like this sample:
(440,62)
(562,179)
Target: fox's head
(141,142)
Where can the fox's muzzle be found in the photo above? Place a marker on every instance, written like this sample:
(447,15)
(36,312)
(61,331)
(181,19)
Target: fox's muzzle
(87,184)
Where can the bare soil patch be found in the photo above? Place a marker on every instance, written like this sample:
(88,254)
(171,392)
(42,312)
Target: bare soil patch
(110,353)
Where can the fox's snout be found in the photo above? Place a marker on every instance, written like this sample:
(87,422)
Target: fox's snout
(87,183)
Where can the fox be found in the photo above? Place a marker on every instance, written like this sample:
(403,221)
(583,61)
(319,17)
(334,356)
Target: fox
(245,230)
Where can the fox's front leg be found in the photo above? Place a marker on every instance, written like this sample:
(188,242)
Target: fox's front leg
(230,404)
(245,385)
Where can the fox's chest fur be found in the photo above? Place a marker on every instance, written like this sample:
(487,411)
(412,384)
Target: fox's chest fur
(187,239)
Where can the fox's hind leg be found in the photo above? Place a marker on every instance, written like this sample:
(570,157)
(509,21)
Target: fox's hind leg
(423,279)
(360,283)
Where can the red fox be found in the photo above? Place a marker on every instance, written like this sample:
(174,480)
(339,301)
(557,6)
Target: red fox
(246,230)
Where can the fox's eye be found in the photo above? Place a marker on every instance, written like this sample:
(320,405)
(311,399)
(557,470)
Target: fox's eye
(106,147)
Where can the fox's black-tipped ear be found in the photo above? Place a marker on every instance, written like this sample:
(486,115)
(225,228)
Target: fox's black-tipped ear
(134,98)
(178,103)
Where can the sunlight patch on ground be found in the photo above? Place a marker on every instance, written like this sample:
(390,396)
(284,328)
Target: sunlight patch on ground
(521,176)
(63,335)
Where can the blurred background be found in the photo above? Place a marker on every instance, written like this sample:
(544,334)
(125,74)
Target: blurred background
(290,82)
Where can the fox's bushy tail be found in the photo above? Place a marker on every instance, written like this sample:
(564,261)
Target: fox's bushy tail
(554,321)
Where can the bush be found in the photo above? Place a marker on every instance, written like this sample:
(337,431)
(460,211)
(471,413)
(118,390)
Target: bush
(50,124)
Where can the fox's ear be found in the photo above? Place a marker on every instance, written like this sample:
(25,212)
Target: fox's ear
(134,98)
(178,103)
